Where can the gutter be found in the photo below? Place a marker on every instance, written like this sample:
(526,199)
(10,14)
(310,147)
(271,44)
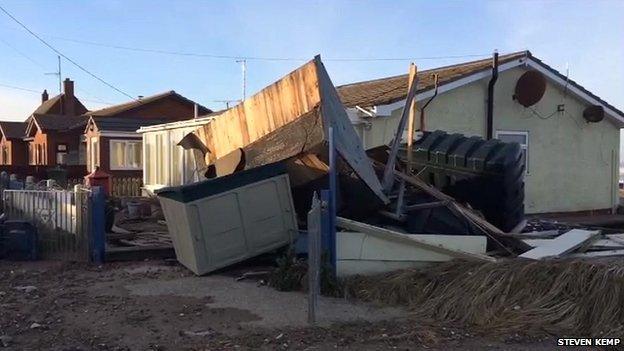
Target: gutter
(422,111)
(490,98)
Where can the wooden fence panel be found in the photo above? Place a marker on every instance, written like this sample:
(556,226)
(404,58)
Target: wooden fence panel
(126,186)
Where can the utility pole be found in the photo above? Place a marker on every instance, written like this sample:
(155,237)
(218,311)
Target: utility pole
(243,63)
(58,73)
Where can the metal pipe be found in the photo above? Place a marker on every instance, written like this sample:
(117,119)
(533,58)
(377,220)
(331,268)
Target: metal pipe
(490,99)
(422,111)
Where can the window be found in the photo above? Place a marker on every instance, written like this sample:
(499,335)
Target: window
(39,154)
(182,161)
(166,163)
(125,154)
(520,137)
(82,153)
(61,154)
(5,155)
(94,153)
(31,154)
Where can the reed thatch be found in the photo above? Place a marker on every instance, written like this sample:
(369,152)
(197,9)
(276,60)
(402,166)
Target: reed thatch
(557,297)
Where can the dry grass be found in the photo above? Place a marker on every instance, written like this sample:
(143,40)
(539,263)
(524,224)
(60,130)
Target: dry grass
(584,297)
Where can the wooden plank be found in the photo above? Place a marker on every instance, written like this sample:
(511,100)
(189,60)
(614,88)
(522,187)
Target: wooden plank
(410,121)
(408,239)
(563,244)
(388,177)
(519,227)
(546,234)
(425,206)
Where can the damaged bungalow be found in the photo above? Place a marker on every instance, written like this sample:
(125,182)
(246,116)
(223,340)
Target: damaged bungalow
(555,121)
(569,137)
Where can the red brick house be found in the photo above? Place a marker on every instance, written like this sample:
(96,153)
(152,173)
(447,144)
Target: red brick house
(112,142)
(13,149)
(53,131)
(55,140)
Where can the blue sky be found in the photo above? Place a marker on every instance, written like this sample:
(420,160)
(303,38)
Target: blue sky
(587,36)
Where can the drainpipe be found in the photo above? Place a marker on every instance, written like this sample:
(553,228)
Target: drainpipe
(490,99)
(422,111)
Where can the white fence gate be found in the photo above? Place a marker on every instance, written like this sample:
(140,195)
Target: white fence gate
(62,219)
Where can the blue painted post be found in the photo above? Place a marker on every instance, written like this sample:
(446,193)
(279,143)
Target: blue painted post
(333,190)
(98,220)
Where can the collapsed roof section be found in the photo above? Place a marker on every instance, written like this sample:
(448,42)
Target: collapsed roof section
(286,119)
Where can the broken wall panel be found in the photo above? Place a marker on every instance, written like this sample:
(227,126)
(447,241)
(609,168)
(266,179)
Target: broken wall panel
(273,107)
(288,118)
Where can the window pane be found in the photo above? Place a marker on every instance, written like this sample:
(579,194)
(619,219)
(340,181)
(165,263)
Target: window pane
(160,172)
(137,154)
(512,138)
(117,157)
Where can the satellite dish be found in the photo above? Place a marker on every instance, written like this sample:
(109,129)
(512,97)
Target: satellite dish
(530,88)
(593,113)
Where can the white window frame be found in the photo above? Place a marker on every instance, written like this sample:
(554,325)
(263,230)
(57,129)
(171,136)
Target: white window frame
(126,143)
(156,156)
(94,153)
(524,147)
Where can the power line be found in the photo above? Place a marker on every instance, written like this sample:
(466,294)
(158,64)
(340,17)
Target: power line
(38,92)
(260,58)
(64,56)
(33,61)
(38,64)
(19,88)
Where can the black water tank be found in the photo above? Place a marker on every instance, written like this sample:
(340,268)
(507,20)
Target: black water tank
(487,174)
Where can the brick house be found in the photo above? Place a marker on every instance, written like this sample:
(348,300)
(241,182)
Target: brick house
(13,149)
(112,143)
(55,140)
(53,130)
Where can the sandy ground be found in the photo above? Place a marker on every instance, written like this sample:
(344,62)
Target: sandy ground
(158,306)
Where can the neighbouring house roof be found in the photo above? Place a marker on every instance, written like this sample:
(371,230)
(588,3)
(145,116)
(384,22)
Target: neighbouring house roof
(49,122)
(117,109)
(193,122)
(13,130)
(52,106)
(119,124)
(389,90)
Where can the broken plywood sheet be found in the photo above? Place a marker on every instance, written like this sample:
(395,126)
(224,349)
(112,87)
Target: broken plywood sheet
(361,253)
(305,94)
(563,244)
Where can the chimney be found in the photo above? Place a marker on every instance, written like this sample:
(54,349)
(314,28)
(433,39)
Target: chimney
(68,99)
(44,96)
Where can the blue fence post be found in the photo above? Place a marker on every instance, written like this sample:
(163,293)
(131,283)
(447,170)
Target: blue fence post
(333,191)
(98,220)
